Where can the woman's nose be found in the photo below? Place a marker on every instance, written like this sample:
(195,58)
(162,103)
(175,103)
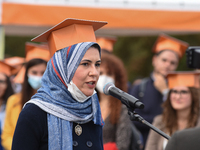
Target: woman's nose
(93,71)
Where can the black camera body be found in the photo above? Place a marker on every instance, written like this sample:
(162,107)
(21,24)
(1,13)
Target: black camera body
(193,57)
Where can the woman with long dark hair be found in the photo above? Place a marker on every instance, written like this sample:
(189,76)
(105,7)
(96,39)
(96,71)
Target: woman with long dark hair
(32,82)
(6,91)
(117,128)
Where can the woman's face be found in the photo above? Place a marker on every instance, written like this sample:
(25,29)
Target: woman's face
(87,73)
(181,98)
(3,84)
(37,70)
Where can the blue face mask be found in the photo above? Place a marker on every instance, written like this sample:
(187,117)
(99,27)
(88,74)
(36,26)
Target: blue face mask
(34,81)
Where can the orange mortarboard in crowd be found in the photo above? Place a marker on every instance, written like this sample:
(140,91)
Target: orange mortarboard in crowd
(40,51)
(165,42)
(6,68)
(183,78)
(16,62)
(33,51)
(106,43)
(69,32)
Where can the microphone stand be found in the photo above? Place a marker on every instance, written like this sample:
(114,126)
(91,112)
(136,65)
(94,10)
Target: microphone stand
(135,117)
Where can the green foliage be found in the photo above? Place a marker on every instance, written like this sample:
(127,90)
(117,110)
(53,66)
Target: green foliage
(15,46)
(136,55)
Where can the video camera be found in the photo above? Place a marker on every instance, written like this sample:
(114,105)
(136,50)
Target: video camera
(193,57)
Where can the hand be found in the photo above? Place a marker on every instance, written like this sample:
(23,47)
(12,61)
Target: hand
(160,82)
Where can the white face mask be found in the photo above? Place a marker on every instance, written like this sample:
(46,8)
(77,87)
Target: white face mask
(103,79)
(34,81)
(77,94)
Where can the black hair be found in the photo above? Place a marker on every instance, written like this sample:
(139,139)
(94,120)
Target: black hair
(9,90)
(97,47)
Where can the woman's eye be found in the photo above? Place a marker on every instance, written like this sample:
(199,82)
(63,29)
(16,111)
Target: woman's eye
(98,65)
(84,64)
(34,72)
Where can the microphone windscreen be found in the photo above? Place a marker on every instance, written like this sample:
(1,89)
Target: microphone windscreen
(106,87)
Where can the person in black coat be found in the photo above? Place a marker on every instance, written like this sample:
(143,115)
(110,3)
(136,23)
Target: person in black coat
(152,91)
(185,140)
(65,113)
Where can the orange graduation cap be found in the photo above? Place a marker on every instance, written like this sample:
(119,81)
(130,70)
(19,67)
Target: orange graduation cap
(33,51)
(16,62)
(183,78)
(19,78)
(5,68)
(106,43)
(69,32)
(165,42)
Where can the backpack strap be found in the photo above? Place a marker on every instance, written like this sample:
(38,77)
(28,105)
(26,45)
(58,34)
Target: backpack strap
(142,87)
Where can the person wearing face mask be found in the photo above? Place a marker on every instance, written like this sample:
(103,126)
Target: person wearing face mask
(117,130)
(29,76)
(6,91)
(180,110)
(65,113)
(152,91)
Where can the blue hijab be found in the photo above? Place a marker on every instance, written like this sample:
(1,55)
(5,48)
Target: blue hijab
(54,97)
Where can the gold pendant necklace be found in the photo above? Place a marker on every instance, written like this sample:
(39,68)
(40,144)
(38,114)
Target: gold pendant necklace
(78,129)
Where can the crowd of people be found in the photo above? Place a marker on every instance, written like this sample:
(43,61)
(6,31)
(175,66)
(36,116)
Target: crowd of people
(54,98)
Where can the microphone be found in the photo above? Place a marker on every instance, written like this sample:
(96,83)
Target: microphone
(127,99)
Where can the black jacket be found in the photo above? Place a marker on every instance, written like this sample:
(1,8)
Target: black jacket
(31,132)
(188,139)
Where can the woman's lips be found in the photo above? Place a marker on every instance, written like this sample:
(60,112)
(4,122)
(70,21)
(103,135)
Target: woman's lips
(91,84)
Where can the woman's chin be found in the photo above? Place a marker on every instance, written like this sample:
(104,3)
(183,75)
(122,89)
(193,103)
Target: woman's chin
(88,93)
